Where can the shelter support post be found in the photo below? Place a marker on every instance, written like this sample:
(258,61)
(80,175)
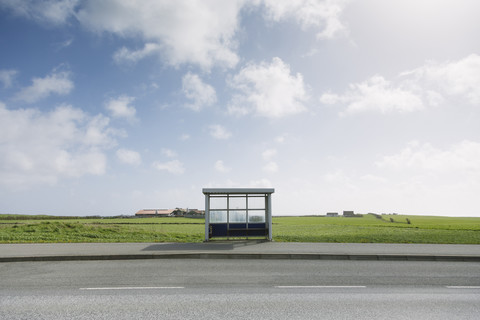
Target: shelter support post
(207,216)
(269,215)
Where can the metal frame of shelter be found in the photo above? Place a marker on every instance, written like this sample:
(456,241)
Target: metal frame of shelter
(238,212)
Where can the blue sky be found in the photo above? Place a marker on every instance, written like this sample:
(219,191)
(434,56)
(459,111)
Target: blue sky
(108,107)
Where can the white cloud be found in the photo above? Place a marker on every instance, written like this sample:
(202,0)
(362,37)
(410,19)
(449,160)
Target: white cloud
(423,178)
(220,167)
(197,32)
(268,90)
(6,77)
(54,83)
(129,157)
(281,139)
(219,132)
(200,93)
(51,11)
(169,153)
(262,183)
(331,98)
(452,78)
(427,86)
(321,15)
(174,166)
(184,137)
(271,167)
(223,184)
(121,108)
(376,94)
(338,179)
(42,147)
(460,159)
(269,154)
(65,44)
(183,31)
(370,178)
(125,55)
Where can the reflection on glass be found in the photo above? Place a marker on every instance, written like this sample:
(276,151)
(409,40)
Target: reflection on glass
(238,216)
(256,216)
(234,209)
(256,202)
(218,203)
(218,216)
(237,203)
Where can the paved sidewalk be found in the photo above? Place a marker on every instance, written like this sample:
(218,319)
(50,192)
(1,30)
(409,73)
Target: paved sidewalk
(238,250)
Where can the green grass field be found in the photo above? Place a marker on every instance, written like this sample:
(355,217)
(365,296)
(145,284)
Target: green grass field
(366,229)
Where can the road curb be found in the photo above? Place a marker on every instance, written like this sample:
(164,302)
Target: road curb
(277,256)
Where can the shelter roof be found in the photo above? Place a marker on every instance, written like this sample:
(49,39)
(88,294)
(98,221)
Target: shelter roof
(238,190)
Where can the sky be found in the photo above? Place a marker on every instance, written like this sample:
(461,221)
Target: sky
(111,106)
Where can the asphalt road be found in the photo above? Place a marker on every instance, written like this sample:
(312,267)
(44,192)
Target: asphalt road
(239,289)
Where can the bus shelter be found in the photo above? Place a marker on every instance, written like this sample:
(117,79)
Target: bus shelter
(238,212)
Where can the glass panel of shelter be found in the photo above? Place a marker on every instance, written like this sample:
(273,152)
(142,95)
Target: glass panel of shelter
(257,202)
(218,202)
(256,216)
(237,216)
(218,216)
(237,202)
(238,208)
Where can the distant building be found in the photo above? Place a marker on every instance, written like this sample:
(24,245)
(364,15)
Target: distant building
(152,213)
(195,213)
(332,214)
(179,212)
(348,214)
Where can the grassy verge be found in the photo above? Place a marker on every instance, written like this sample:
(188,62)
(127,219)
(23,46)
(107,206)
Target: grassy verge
(367,229)
(370,229)
(118,230)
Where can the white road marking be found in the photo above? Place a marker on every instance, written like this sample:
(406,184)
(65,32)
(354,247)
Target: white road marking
(463,287)
(131,288)
(307,287)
